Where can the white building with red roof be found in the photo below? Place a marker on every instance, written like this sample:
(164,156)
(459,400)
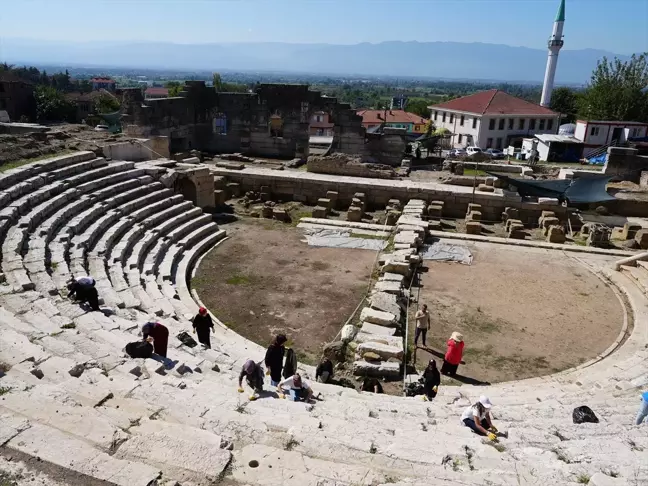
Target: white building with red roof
(413,123)
(493,119)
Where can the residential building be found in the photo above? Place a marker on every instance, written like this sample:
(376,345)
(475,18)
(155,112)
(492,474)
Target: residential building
(398,102)
(414,124)
(596,134)
(493,119)
(103,83)
(17,97)
(86,103)
(321,124)
(154,92)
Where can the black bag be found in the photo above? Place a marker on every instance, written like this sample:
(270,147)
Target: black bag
(139,349)
(187,340)
(583,414)
(290,366)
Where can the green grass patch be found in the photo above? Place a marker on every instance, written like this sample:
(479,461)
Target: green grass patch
(475,173)
(19,163)
(583,479)
(238,279)
(367,237)
(72,325)
(4,390)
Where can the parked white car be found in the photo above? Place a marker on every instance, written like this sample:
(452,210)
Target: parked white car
(473,150)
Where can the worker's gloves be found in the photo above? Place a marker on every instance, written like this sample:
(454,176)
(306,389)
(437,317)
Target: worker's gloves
(435,389)
(282,395)
(267,372)
(493,429)
(240,390)
(492,436)
(252,397)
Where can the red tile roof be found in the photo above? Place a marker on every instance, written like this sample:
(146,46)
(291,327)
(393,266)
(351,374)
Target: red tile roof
(157,91)
(393,116)
(494,102)
(102,80)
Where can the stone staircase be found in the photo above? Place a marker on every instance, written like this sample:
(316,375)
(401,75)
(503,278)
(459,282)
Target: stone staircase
(70,397)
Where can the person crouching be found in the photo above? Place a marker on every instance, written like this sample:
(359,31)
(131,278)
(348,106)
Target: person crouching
(253,374)
(299,389)
(477,418)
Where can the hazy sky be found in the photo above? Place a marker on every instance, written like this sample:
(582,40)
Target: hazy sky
(620,26)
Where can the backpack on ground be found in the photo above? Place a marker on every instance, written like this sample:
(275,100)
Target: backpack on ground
(584,414)
(139,349)
(187,340)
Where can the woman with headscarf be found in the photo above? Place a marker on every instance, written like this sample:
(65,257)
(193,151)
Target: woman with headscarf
(160,335)
(453,354)
(431,380)
(274,358)
(203,325)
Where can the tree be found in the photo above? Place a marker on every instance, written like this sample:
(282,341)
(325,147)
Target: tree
(51,105)
(217,81)
(174,88)
(418,107)
(617,90)
(106,103)
(564,101)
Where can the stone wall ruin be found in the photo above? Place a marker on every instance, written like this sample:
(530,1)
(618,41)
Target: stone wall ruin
(271,122)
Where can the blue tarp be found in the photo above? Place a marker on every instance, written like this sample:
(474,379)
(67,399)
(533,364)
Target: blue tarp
(597,160)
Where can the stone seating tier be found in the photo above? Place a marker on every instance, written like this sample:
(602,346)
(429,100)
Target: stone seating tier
(73,400)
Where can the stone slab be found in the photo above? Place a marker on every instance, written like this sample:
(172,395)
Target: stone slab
(369,328)
(380,318)
(383,369)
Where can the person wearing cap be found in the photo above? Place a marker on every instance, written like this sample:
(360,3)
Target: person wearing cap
(477,417)
(274,358)
(422,324)
(202,326)
(253,374)
(431,380)
(643,409)
(298,388)
(453,354)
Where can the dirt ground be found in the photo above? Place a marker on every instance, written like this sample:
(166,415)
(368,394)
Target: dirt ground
(523,312)
(265,280)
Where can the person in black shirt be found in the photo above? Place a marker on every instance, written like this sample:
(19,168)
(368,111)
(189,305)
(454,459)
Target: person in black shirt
(274,358)
(203,325)
(431,380)
(324,371)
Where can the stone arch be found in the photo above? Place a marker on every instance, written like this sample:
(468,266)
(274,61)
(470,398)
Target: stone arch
(187,188)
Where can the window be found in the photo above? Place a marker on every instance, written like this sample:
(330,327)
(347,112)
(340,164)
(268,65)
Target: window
(491,124)
(511,122)
(542,125)
(417,128)
(489,143)
(549,124)
(499,143)
(444,116)
(501,124)
(451,117)
(474,122)
(436,115)
(532,124)
(461,121)
(276,126)
(319,118)
(220,124)
(595,131)
(460,138)
(319,132)
(521,123)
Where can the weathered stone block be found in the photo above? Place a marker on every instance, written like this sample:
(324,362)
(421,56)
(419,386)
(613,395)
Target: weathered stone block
(473,228)
(435,211)
(220,196)
(545,214)
(234,189)
(641,237)
(517,234)
(384,351)
(265,196)
(510,213)
(354,214)
(556,234)
(474,216)
(395,266)
(490,181)
(392,217)
(485,188)
(630,230)
(383,369)
(280,215)
(266,212)
(394,203)
(324,202)
(380,318)
(509,222)
(473,207)
(320,212)
(550,221)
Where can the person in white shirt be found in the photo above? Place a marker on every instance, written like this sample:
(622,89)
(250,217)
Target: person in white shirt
(298,389)
(477,417)
(422,324)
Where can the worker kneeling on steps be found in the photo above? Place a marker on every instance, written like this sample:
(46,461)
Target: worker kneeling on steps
(478,418)
(83,289)
(299,390)
(253,374)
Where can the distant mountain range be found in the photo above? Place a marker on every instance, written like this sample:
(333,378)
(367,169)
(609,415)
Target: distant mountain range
(454,60)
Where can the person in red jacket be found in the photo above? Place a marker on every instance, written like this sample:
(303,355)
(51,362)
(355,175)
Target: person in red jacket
(453,354)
